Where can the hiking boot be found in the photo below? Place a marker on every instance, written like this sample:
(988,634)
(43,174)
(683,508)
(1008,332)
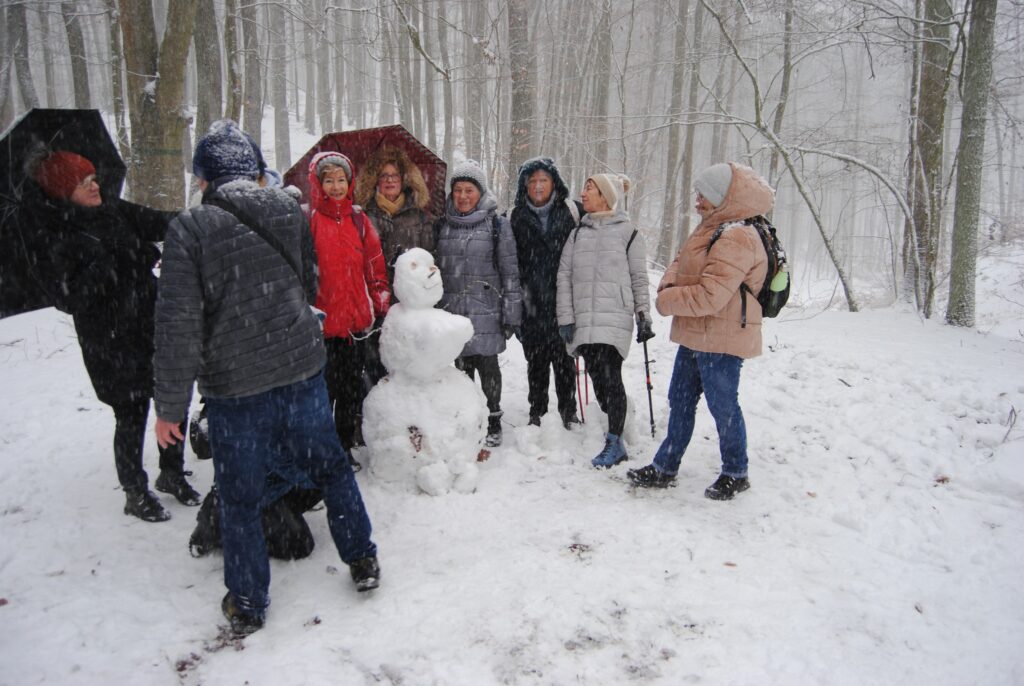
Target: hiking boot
(650,477)
(493,439)
(242,623)
(143,504)
(534,420)
(726,487)
(366,573)
(569,419)
(175,484)
(613,453)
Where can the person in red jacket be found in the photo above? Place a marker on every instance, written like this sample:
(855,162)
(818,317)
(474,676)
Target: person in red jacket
(353,286)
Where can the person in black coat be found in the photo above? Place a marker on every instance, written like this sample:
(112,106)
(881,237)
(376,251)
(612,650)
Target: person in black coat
(98,267)
(542,220)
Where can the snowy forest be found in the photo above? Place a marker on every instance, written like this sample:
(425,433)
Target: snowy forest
(891,128)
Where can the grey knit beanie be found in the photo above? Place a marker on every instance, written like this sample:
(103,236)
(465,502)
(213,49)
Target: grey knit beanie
(469,170)
(713,183)
(334,160)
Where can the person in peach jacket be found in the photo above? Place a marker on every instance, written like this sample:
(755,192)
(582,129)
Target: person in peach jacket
(701,291)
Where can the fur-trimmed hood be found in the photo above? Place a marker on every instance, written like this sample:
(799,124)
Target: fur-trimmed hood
(561,191)
(413,184)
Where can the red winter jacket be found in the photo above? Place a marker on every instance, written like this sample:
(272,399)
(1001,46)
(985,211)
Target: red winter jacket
(353,283)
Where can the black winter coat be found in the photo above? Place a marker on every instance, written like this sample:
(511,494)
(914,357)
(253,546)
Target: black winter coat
(99,269)
(538,252)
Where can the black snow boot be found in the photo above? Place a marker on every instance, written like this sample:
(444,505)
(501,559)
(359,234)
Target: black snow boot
(726,488)
(141,503)
(650,477)
(493,439)
(175,484)
(242,623)
(569,419)
(534,419)
(366,573)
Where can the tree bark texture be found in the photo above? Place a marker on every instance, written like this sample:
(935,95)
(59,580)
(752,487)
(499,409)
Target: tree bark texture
(76,49)
(206,41)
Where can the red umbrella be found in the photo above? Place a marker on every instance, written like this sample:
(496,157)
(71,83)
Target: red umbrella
(359,145)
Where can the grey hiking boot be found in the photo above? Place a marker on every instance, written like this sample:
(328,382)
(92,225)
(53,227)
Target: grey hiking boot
(141,503)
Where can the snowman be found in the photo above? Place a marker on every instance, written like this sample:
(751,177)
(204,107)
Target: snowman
(423,423)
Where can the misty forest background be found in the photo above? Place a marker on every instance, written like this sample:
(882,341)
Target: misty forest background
(892,129)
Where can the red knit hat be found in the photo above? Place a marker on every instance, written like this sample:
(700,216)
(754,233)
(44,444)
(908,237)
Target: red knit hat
(61,172)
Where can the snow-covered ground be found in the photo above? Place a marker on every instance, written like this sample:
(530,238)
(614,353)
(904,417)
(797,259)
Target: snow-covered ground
(881,541)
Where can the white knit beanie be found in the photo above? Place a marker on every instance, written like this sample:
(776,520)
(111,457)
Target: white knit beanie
(713,183)
(469,170)
(612,187)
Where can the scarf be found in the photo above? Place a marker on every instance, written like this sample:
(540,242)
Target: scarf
(392,208)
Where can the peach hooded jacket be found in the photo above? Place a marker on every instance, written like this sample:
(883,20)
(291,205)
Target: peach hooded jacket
(701,290)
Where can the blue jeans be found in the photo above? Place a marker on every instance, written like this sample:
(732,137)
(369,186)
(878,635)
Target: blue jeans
(248,436)
(717,375)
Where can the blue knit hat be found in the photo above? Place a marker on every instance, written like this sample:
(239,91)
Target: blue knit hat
(224,151)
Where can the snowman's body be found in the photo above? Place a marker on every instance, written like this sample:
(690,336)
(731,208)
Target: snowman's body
(423,423)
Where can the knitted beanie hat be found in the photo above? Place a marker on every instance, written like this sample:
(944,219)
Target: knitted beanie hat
(612,187)
(224,151)
(60,173)
(334,159)
(469,170)
(713,183)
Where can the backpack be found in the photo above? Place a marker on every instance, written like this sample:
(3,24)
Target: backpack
(772,300)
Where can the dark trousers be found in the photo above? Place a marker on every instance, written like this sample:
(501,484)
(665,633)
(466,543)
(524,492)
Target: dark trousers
(538,359)
(129,438)
(347,385)
(490,377)
(604,365)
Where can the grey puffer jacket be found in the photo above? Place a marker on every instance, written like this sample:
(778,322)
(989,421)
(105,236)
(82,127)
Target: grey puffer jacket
(478,284)
(601,288)
(230,311)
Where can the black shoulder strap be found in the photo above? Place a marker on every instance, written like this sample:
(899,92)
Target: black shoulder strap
(257,228)
(714,237)
(630,241)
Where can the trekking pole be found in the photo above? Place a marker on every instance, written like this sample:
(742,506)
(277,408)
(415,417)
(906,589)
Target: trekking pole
(650,402)
(579,393)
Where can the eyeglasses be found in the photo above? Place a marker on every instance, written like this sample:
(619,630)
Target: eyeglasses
(389,177)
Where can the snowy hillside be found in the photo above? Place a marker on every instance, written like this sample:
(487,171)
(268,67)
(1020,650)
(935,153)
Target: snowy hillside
(880,542)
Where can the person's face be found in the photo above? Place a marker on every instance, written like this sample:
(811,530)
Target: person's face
(592,199)
(335,183)
(389,182)
(465,195)
(703,206)
(539,187)
(87,193)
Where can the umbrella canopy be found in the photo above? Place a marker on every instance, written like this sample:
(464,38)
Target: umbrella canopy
(78,131)
(359,145)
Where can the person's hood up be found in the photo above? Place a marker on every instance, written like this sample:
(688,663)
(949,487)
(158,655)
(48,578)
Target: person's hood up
(561,191)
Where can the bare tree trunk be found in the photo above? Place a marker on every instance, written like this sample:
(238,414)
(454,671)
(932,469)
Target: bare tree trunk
(935,74)
(342,103)
(43,15)
(429,80)
(17,34)
(206,40)
(666,240)
(233,57)
(691,108)
(909,253)
(472,90)
(602,76)
(76,49)
(310,58)
(253,96)
(117,79)
(292,41)
(156,80)
(448,94)
(969,173)
(6,67)
(279,89)
(787,74)
(403,67)
(523,85)
(323,71)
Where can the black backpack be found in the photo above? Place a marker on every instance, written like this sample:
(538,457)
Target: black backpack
(772,301)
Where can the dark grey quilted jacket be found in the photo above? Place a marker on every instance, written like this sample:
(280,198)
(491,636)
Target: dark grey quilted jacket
(230,311)
(477,284)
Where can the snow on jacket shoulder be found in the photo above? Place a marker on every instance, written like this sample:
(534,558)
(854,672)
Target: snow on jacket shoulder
(477,283)
(701,289)
(231,312)
(601,285)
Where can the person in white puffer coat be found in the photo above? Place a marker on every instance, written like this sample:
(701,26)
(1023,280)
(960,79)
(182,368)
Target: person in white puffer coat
(602,288)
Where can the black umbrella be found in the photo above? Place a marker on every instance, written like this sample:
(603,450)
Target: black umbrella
(79,131)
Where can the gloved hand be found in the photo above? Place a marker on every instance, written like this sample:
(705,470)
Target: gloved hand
(643,328)
(566,332)
(509,331)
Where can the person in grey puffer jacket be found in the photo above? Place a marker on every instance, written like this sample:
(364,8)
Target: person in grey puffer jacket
(233,311)
(602,286)
(476,253)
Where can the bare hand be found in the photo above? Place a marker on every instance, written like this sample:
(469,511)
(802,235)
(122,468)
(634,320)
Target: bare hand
(168,433)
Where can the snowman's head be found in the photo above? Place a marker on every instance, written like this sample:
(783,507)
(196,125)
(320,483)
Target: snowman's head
(417,281)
